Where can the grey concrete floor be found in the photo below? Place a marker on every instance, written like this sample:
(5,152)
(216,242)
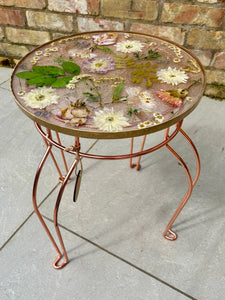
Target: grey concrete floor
(113,234)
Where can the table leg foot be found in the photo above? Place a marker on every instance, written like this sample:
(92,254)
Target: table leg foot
(170,235)
(60,266)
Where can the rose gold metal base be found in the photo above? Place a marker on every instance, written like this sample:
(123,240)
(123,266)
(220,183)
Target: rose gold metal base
(75,150)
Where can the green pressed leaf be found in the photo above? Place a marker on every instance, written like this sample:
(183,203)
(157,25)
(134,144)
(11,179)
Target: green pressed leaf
(41,80)
(27,74)
(91,97)
(49,70)
(104,48)
(71,67)
(61,82)
(118,90)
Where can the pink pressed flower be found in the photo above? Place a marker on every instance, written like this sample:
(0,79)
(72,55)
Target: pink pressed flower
(105,39)
(166,96)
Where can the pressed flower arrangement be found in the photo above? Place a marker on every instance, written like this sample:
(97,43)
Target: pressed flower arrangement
(108,81)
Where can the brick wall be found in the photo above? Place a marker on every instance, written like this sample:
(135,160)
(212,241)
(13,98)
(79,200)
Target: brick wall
(199,25)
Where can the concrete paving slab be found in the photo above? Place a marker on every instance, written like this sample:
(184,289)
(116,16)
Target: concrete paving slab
(5,74)
(126,211)
(92,274)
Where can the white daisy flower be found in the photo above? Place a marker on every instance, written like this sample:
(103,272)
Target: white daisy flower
(54,49)
(177,50)
(152,44)
(158,117)
(179,55)
(47,49)
(38,52)
(47,54)
(129,46)
(33,62)
(108,120)
(40,97)
(20,93)
(172,76)
(36,58)
(189,98)
(176,60)
(145,124)
(141,125)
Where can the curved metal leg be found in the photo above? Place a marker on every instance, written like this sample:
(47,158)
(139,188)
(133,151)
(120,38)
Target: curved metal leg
(63,184)
(168,233)
(48,151)
(137,164)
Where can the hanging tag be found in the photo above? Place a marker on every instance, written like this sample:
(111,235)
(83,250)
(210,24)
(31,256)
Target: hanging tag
(77,185)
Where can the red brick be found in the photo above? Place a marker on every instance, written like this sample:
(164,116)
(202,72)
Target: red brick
(219,60)
(24,3)
(91,24)
(12,17)
(192,14)
(174,34)
(93,7)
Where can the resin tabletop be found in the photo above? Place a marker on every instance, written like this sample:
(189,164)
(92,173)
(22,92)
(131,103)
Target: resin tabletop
(108,84)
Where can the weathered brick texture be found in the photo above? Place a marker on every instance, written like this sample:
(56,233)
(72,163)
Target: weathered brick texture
(71,6)
(203,55)
(215,77)
(173,33)
(25,36)
(90,24)
(207,39)
(75,6)
(1,34)
(12,17)
(192,14)
(219,60)
(50,21)
(24,3)
(136,9)
(13,50)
